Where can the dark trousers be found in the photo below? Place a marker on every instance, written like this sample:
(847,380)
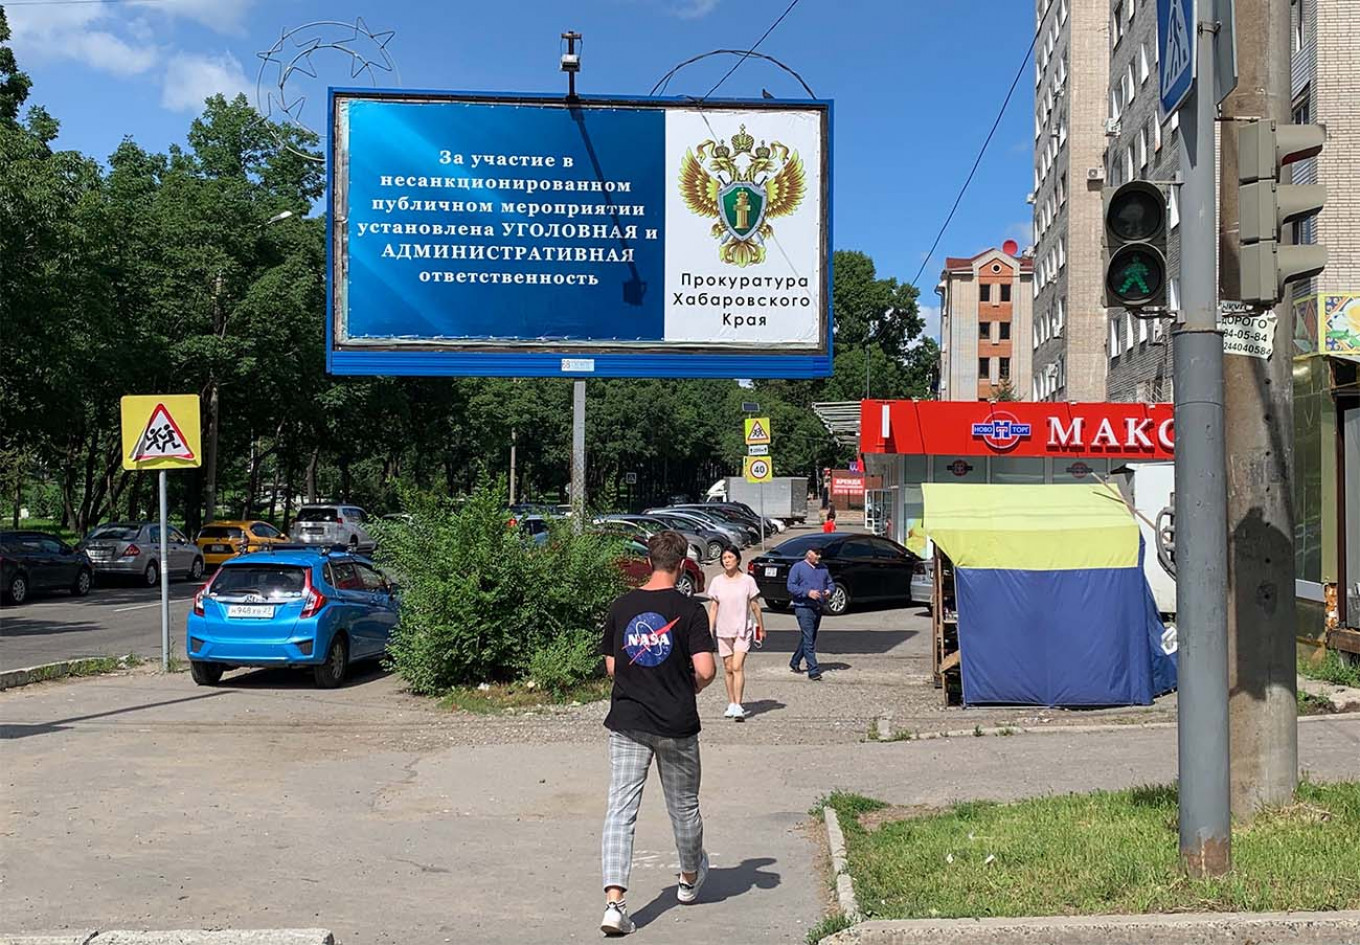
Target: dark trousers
(809,620)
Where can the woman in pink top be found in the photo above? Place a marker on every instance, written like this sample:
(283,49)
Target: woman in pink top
(735,615)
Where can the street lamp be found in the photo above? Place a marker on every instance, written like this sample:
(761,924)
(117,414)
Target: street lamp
(283,215)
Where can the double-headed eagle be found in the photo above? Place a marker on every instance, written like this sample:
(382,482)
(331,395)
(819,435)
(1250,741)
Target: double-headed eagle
(747,187)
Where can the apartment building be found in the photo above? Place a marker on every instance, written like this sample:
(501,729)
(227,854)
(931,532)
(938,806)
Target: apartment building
(1140,146)
(986,306)
(1071,81)
(1325,41)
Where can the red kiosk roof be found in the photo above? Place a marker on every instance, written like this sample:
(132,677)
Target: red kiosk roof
(965,428)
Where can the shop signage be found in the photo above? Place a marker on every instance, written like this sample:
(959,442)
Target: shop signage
(847,485)
(1073,430)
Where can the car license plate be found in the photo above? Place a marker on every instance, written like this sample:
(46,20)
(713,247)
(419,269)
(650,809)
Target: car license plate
(251,611)
(219,549)
(771,572)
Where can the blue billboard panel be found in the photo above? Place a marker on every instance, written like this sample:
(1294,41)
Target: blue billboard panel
(532,237)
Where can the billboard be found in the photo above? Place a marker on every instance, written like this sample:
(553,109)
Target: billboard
(528,236)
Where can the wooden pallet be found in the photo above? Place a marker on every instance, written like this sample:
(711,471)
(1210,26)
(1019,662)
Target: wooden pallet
(945,657)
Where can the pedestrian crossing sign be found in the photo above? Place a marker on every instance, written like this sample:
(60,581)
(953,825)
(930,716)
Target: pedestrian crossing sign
(757,431)
(758,469)
(161,432)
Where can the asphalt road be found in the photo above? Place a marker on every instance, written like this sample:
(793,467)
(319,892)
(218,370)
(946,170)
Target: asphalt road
(114,620)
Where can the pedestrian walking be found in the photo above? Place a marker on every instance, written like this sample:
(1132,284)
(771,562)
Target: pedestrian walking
(809,586)
(659,651)
(735,615)
(829,525)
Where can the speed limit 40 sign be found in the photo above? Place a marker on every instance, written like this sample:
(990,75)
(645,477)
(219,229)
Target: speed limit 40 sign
(758,469)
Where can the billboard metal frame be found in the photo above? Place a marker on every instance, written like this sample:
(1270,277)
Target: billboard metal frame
(678,360)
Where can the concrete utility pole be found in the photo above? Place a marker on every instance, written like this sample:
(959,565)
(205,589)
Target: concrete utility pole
(1201,523)
(1259,421)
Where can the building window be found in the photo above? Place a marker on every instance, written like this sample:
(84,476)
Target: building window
(1006,330)
(1060,315)
(1062,251)
(984,369)
(1128,163)
(1156,134)
(1004,368)
(1302,111)
(1174,208)
(1142,329)
(1128,332)
(984,331)
(1173,295)
(1062,189)
(1296,25)
(985,292)
(1005,291)
(1130,87)
(1114,337)
(1117,24)
(1142,149)
(1062,12)
(1143,70)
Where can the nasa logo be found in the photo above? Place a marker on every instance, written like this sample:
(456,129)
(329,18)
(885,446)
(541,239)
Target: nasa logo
(1002,432)
(647,639)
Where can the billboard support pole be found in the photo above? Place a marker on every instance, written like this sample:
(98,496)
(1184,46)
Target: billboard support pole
(165,575)
(578,454)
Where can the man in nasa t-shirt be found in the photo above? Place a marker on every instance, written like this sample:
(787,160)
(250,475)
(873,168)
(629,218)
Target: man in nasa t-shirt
(658,648)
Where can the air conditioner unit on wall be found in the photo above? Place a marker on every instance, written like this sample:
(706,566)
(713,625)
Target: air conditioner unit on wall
(1111,127)
(1095,173)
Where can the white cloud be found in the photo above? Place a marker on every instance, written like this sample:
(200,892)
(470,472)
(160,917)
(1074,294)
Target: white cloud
(1022,233)
(694,9)
(931,314)
(222,16)
(191,77)
(105,51)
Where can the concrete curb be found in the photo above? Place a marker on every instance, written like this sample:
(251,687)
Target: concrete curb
(845,886)
(14,678)
(1232,928)
(1061,729)
(182,937)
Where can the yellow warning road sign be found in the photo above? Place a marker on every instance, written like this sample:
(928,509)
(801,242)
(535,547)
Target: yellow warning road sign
(161,432)
(757,430)
(758,469)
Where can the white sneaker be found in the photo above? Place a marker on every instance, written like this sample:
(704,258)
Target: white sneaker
(688,892)
(733,710)
(616,920)
(740,715)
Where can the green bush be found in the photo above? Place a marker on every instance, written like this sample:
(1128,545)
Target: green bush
(482,603)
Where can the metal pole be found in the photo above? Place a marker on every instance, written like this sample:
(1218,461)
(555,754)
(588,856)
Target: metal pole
(165,575)
(514,438)
(1201,494)
(1259,420)
(578,454)
(762,516)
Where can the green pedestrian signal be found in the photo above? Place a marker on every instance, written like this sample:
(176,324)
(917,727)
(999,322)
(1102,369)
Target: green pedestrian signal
(1135,246)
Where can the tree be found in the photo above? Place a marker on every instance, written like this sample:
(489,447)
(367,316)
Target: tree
(14,85)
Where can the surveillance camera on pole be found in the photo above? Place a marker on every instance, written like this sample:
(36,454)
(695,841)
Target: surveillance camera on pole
(1135,246)
(1268,263)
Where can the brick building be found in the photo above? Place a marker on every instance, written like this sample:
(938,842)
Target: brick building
(1139,145)
(1072,63)
(985,325)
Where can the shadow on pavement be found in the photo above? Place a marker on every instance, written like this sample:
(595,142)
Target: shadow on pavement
(831,640)
(723,883)
(10,730)
(299,677)
(12,626)
(761,706)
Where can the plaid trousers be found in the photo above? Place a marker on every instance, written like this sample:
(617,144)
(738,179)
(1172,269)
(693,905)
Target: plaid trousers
(630,758)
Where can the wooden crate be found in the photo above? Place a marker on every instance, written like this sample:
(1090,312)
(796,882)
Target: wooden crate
(945,656)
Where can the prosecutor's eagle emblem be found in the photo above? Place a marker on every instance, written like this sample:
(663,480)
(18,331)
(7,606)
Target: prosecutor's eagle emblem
(744,187)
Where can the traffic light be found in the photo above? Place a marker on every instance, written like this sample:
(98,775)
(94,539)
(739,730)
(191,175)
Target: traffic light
(1269,263)
(1135,245)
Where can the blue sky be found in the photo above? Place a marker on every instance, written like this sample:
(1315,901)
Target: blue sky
(916,83)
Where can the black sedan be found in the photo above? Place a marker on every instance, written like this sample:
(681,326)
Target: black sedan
(865,569)
(33,561)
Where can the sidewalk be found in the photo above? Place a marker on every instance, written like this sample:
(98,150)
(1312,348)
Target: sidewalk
(145,801)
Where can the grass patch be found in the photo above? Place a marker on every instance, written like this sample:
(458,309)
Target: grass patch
(829,926)
(1106,852)
(503,697)
(1310,704)
(1333,668)
(94,666)
(847,805)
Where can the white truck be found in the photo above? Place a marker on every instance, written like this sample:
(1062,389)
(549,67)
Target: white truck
(785,497)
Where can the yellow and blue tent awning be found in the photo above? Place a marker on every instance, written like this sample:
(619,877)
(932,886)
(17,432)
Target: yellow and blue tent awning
(1052,602)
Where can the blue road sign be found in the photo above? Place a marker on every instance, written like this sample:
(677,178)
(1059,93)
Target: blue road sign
(1176,50)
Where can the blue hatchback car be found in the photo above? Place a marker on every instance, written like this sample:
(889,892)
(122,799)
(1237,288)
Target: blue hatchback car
(319,609)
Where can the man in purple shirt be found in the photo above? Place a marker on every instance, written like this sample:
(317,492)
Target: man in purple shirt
(809,586)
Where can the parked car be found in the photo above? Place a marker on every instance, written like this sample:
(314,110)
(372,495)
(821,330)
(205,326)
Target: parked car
(637,569)
(133,550)
(33,561)
(733,534)
(714,540)
(641,528)
(748,524)
(747,514)
(698,547)
(222,540)
(303,608)
(865,569)
(332,525)
(923,582)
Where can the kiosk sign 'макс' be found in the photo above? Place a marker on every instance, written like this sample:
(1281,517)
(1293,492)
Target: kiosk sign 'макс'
(531,236)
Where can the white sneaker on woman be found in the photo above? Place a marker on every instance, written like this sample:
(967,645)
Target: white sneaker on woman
(616,920)
(740,714)
(733,710)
